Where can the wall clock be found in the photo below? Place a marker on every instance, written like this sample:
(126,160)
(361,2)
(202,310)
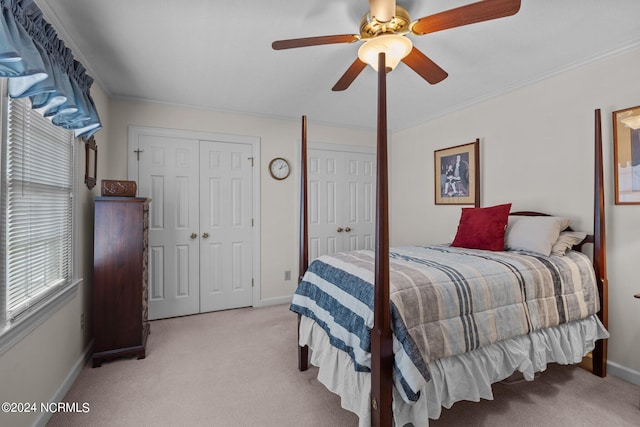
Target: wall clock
(279,168)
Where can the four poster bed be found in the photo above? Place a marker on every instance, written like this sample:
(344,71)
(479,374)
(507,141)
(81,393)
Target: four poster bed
(402,332)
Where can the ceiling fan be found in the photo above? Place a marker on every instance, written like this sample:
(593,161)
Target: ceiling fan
(385,28)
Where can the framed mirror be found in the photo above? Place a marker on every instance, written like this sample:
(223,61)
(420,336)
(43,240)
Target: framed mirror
(91,162)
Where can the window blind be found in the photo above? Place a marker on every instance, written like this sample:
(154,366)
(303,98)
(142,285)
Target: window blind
(39,208)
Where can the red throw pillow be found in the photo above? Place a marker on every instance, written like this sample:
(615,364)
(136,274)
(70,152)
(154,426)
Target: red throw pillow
(482,228)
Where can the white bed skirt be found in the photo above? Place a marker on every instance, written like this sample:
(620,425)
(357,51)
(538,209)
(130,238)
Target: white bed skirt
(463,377)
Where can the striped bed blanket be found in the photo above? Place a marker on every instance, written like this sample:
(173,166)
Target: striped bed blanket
(444,301)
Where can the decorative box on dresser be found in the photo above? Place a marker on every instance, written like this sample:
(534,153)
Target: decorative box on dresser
(121,236)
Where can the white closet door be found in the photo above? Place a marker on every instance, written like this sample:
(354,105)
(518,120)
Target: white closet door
(358,199)
(201,232)
(168,174)
(341,200)
(226,243)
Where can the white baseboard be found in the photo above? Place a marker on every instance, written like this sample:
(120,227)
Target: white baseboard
(273,301)
(623,372)
(64,388)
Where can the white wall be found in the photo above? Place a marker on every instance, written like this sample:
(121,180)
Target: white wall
(536,151)
(279,199)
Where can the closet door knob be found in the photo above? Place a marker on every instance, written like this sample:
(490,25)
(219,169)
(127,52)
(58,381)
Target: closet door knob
(194,235)
(339,230)
(348,229)
(205,235)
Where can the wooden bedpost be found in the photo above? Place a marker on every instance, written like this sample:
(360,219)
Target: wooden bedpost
(303,351)
(381,337)
(599,250)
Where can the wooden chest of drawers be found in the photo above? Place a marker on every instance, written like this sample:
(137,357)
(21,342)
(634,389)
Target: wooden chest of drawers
(121,236)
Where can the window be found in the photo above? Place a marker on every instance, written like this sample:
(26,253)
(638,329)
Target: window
(37,211)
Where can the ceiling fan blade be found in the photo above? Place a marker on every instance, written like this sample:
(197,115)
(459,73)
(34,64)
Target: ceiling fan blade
(350,75)
(382,10)
(314,41)
(425,67)
(465,15)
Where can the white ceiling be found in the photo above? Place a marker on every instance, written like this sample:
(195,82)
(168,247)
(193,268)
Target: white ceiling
(217,54)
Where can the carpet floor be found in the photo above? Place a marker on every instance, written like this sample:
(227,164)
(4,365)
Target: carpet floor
(238,368)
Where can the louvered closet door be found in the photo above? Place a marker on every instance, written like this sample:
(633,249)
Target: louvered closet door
(341,200)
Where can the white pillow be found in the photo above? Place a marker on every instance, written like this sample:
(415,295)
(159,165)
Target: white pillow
(533,233)
(566,241)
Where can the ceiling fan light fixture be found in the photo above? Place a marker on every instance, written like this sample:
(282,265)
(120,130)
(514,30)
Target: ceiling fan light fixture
(396,47)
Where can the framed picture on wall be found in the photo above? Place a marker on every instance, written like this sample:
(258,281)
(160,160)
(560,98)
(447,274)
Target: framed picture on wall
(626,154)
(457,175)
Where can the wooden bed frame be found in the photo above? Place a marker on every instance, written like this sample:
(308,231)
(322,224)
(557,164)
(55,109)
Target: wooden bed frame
(381,335)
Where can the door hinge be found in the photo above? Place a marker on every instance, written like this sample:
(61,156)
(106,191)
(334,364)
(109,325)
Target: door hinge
(252,282)
(251,158)
(252,222)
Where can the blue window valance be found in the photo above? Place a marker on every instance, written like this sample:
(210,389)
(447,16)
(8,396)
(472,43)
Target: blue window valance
(40,66)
